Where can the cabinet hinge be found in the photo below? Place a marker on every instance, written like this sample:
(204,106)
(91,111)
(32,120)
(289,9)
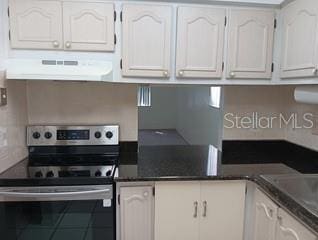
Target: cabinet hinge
(121,16)
(115,16)
(115,39)
(275,23)
(121,63)
(222,66)
(153,191)
(8,12)
(225,21)
(272,67)
(118,199)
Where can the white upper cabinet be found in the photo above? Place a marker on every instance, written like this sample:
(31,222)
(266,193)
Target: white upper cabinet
(289,228)
(84,26)
(88,25)
(136,213)
(250,45)
(36,24)
(300,40)
(200,41)
(265,217)
(146,42)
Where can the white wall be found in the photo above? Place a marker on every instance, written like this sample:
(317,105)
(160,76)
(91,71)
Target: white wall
(84,103)
(13,120)
(268,101)
(162,113)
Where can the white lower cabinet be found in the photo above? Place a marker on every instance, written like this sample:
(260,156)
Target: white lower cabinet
(288,228)
(265,217)
(273,223)
(199,210)
(136,206)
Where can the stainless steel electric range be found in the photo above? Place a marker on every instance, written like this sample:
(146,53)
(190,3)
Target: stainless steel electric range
(52,208)
(73,151)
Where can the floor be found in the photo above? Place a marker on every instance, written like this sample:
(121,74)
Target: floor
(159,137)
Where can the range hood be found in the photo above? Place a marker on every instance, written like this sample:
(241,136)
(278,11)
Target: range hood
(66,70)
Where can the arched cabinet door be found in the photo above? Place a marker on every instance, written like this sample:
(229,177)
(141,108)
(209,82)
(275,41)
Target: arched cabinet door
(288,228)
(300,39)
(146,42)
(265,217)
(136,213)
(36,24)
(200,41)
(250,44)
(88,26)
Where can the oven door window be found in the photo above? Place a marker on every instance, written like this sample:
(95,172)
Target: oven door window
(59,220)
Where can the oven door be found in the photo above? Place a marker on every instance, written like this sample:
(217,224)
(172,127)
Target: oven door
(57,213)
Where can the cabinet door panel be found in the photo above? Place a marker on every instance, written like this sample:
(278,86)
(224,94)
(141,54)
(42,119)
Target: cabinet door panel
(136,213)
(146,40)
(88,26)
(175,209)
(287,228)
(300,40)
(36,24)
(200,40)
(222,207)
(265,217)
(250,46)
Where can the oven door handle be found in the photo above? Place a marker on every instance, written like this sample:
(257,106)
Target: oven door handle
(56,193)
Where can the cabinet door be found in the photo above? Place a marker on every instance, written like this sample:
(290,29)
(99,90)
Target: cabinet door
(36,24)
(136,213)
(250,46)
(290,229)
(146,40)
(265,217)
(177,211)
(300,40)
(200,38)
(222,210)
(88,26)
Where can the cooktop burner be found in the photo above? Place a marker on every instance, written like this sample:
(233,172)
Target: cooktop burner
(73,151)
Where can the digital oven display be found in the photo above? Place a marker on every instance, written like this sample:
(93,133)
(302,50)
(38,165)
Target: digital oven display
(72,134)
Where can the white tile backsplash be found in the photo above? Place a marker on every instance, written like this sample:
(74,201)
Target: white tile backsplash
(13,120)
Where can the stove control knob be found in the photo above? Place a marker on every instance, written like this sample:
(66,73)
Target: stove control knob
(98,134)
(108,173)
(50,174)
(109,135)
(36,135)
(38,174)
(98,173)
(48,135)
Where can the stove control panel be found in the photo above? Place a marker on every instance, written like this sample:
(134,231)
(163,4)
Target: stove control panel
(71,171)
(72,135)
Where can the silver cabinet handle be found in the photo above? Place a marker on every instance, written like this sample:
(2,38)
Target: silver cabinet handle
(232,74)
(315,71)
(205,204)
(56,44)
(68,44)
(181,73)
(195,215)
(165,73)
